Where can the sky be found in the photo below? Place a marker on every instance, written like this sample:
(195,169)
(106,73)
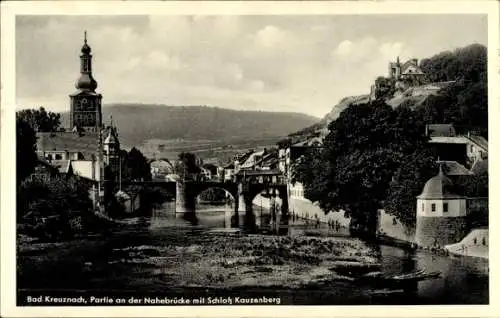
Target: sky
(300,64)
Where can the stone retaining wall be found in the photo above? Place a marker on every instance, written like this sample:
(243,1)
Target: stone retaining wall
(431,231)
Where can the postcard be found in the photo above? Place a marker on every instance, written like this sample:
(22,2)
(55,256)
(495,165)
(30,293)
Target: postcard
(248,158)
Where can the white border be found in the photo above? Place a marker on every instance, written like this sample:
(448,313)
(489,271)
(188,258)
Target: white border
(8,260)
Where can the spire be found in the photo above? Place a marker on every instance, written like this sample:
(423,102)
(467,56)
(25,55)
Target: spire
(85,48)
(397,60)
(441,168)
(86,81)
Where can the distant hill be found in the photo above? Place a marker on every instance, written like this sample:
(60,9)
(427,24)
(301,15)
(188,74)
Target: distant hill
(139,123)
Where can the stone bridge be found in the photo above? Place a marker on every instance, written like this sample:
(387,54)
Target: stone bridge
(243,190)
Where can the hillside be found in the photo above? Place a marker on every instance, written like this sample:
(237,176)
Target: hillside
(456,92)
(321,128)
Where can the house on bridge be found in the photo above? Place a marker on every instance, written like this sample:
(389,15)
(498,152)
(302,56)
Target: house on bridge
(210,171)
(230,169)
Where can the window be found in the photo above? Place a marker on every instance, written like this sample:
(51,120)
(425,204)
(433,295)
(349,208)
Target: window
(58,156)
(433,207)
(445,207)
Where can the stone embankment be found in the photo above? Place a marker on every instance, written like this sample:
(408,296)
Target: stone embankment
(475,244)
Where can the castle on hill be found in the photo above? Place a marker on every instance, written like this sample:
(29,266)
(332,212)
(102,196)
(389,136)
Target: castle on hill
(401,76)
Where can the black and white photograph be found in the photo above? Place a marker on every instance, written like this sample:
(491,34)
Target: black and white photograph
(248,158)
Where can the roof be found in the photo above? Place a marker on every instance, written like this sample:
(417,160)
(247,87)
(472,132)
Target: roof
(259,172)
(478,140)
(439,187)
(244,156)
(453,168)
(309,142)
(111,136)
(245,163)
(85,143)
(64,166)
(448,140)
(411,63)
(440,130)
(85,92)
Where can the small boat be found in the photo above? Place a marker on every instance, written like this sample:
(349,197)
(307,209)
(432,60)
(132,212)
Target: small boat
(382,279)
(354,268)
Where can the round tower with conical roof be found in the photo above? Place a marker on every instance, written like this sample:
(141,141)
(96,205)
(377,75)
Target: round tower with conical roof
(441,213)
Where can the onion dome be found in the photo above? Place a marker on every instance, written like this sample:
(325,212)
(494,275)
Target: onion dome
(85,48)
(86,82)
(439,187)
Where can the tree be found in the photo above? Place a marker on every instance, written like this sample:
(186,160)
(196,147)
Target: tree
(138,165)
(407,184)
(384,87)
(26,157)
(187,165)
(134,166)
(364,148)
(41,120)
(55,208)
(465,103)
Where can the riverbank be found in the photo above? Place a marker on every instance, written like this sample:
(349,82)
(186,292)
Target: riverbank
(163,256)
(214,259)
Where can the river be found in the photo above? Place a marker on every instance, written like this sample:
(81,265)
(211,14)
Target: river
(165,255)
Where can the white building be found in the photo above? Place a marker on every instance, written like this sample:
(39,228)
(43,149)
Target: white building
(440,213)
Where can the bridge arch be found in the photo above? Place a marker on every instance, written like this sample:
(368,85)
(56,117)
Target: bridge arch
(196,188)
(225,191)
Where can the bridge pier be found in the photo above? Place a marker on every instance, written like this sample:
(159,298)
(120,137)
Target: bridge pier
(249,220)
(185,202)
(239,205)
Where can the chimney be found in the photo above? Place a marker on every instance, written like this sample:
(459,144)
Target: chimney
(415,61)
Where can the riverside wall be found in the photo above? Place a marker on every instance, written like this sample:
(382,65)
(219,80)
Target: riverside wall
(304,209)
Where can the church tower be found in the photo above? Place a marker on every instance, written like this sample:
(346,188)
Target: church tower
(85,114)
